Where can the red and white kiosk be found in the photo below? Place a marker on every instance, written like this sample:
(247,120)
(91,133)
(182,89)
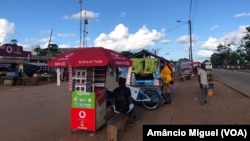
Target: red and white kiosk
(87,79)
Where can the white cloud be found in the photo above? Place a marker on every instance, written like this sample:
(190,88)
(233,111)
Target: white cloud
(85,13)
(183,39)
(186,38)
(65,35)
(45,41)
(203,55)
(231,37)
(210,44)
(235,36)
(209,47)
(26,47)
(242,15)
(121,40)
(46,31)
(214,27)
(123,14)
(165,41)
(64,46)
(6,28)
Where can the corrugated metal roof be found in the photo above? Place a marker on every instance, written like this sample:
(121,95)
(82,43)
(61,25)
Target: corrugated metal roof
(38,64)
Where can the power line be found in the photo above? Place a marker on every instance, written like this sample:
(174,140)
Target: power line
(175,27)
(194,12)
(190,9)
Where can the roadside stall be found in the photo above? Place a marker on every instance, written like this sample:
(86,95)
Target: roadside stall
(185,69)
(87,79)
(195,67)
(7,73)
(33,72)
(144,79)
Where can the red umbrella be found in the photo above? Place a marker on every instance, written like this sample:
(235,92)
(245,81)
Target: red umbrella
(91,56)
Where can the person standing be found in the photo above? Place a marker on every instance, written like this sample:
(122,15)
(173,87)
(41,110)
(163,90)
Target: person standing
(62,74)
(117,73)
(121,100)
(167,78)
(20,73)
(203,81)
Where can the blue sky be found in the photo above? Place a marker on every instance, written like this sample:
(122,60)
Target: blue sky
(124,25)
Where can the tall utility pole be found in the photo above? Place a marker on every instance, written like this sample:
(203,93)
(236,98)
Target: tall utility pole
(190,41)
(51,31)
(190,57)
(80,2)
(50,37)
(85,32)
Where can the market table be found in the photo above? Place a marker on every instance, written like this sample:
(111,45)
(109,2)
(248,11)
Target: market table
(9,81)
(28,81)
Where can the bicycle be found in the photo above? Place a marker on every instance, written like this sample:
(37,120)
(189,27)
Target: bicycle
(149,97)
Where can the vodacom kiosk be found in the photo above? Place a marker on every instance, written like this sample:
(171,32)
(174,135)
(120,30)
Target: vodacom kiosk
(88,98)
(87,69)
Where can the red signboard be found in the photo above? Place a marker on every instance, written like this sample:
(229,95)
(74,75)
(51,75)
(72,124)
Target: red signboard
(82,119)
(12,50)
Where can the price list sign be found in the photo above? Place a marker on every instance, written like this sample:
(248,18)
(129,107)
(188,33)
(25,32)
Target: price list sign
(83,100)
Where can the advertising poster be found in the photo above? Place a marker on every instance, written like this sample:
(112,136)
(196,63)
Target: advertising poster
(82,114)
(82,119)
(83,100)
(151,65)
(138,65)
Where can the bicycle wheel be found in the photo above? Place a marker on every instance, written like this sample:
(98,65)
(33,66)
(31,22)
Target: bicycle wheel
(154,101)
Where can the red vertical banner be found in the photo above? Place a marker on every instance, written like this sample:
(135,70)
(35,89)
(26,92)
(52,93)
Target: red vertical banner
(70,77)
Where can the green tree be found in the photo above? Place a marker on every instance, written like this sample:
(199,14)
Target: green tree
(52,49)
(183,59)
(244,48)
(234,58)
(224,51)
(37,50)
(216,59)
(14,41)
(126,53)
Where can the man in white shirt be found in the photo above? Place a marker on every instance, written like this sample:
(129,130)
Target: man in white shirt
(203,81)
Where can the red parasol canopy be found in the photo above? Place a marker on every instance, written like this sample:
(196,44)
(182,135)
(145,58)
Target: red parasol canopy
(91,56)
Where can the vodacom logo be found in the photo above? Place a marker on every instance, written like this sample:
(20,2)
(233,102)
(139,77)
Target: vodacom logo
(9,49)
(68,55)
(82,114)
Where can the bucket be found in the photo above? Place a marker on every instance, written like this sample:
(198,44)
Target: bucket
(210,90)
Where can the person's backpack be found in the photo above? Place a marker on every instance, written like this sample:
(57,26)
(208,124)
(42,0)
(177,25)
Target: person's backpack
(122,103)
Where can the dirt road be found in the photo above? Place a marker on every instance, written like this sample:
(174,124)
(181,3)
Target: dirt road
(39,113)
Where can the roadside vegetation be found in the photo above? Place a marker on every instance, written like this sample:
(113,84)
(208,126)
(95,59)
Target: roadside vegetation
(226,58)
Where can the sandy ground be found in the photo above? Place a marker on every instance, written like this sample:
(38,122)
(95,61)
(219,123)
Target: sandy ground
(41,113)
